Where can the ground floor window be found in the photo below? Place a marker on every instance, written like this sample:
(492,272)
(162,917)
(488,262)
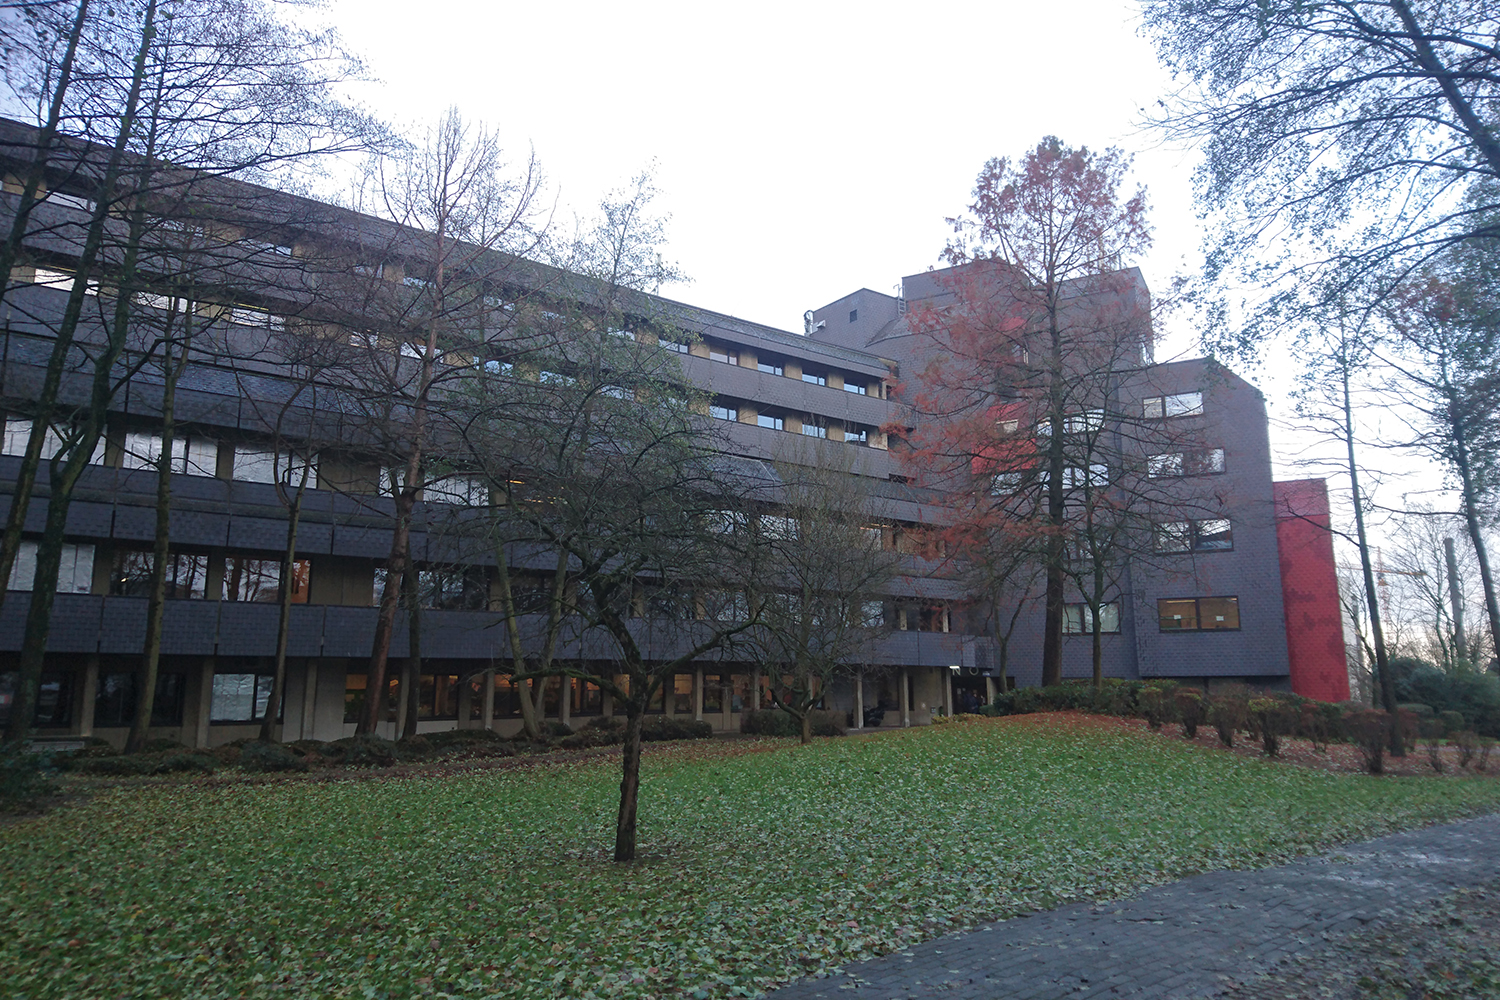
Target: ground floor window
(587,699)
(657,704)
(713,693)
(739,693)
(54,701)
(114,705)
(241,697)
(355,686)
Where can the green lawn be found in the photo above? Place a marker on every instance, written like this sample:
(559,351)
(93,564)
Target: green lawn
(760,867)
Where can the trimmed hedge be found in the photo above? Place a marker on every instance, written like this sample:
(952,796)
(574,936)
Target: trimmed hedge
(775,722)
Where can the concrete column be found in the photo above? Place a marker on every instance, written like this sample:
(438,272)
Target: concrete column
(989,690)
(205,702)
(859,699)
(905,699)
(487,715)
(402,693)
(948,691)
(755,690)
(698,694)
(309,699)
(88,693)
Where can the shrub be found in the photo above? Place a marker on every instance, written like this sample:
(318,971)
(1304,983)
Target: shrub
(1452,722)
(1320,722)
(1370,729)
(1432,738)
(162,745)
(1156,702)
(1485,746)
(1273,719)
(601,731)
(1228,713)
(1468,742)
(200,763)
(1191,709)
(660,728)
(556,730)
(769,722)
(364,750)
(120,765)
(25,777)
(269,757)
(446,738)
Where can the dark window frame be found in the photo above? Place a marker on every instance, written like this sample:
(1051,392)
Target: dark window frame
(1198,614)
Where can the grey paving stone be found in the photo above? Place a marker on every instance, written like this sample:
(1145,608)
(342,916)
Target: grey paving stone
(1193,938)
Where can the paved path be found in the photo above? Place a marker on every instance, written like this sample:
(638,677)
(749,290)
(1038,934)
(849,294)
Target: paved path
(1193,938)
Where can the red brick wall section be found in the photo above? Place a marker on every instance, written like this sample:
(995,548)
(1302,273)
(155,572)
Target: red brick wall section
(1310,590)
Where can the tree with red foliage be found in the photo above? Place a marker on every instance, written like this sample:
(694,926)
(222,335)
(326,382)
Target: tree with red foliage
(1017,411)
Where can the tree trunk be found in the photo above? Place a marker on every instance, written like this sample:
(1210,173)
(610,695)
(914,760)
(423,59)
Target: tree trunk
(806,727)
(1372,595)
(284,608)
(413,679)
(385,621)
(630,781)
(1056,464)
(145,702)
(1463,463)
(487,716)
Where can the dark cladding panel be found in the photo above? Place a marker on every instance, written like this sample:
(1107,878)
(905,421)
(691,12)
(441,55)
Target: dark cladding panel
(206,408)
(247,629)
(122,627)
(189,627)
(462,634)
(89,520)
(75,623)
(305,631)
(134,524)
(257,533)
(192,528)
(355,540)
(351,631)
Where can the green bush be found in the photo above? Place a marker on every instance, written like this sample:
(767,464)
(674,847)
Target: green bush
(25,777)
(162,745)
(1370,729)
(200,763)
(363,750)
(1453,722)
(556,730)
(1191,709)
(1273,717)
(270,757)
(1157,702)
(1229,713)
(775,722)
(660,728)
(446,738)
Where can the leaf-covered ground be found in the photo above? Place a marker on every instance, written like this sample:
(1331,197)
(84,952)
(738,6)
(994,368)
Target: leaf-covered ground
(759,867)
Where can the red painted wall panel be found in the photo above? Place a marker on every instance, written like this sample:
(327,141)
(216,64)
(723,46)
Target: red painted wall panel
(1310,591)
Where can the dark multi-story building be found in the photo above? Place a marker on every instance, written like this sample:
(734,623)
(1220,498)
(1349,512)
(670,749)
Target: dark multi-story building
(1208,607)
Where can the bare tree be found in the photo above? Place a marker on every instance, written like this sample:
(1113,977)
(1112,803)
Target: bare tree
(821,585)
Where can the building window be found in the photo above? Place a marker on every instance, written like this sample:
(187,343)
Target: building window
(240,697)
(1075,478)
(115,702)
(811,429)
(1200,462)
(814,378)
(1212,535)
(857,434)
(682,694)
(1198,614)
(75,571)
(675,346)
(586,697)
(186,576)
(262,465)
(453,588)
(465,491)
(871,614)
(354,697)
(193,456)
(1085,422)
(853,315)
(54,699)
(258,580)
(713,693)
(771,421)
(771,366)
(18,433)
(1078,619)
(725,606)
(723,411)
(859,388)
(1183,404)
(723,354)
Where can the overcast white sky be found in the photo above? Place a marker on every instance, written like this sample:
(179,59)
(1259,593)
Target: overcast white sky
(804,149)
